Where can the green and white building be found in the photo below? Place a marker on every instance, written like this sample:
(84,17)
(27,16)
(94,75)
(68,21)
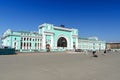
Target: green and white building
(91,43)
(57,38)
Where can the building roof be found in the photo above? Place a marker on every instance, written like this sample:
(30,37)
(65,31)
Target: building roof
(57,27)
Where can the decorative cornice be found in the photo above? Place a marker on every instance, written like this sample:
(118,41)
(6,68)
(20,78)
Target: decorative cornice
(49,32)
(65,29)
(74,35)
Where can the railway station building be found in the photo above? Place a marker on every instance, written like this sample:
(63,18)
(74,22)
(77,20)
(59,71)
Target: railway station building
(49,37)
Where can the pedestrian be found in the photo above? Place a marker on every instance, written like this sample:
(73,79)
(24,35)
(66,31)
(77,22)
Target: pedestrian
(94,54)
(105,51)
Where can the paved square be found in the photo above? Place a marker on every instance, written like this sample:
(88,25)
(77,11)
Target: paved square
(60,66)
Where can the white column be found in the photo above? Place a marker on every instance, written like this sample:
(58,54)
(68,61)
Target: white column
(43,39)
(52,43)
(68,43)
(76,42)
(71,41)
(25,45)
(22,45)
(16,45)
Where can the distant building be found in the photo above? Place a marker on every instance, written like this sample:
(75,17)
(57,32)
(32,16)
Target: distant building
(113,45)
(49,37)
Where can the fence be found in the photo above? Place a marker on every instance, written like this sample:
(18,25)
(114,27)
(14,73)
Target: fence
(7,51)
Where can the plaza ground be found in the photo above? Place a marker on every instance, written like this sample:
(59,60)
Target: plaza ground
(60,66)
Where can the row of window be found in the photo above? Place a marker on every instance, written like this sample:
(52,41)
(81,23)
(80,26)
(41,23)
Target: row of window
(28,34)
(86,46)
(30,44)
(30,39)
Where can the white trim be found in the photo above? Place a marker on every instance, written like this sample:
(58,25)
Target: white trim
(48,33)
(32,36)
(75,35)
(52,41)
(67,29)
(76,42)
(71,41)
(42,25)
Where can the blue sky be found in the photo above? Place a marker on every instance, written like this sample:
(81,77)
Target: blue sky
(99,18)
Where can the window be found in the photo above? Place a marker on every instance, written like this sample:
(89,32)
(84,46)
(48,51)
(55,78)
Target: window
(21,45)
(21,39)
(24,39)
(27,45)
(30,44)
(30,39)
(38,45)
(27,39)
(24,44)
(35,44)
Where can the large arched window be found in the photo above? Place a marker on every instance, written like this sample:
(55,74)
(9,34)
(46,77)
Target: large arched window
(62,42)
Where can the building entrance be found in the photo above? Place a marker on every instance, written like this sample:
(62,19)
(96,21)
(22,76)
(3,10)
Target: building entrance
(62,42)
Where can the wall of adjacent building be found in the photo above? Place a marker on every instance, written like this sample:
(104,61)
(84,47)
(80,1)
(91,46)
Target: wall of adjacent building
(113,46)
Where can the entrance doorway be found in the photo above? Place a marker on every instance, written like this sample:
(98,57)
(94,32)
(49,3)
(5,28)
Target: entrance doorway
(74,47)
(62,42)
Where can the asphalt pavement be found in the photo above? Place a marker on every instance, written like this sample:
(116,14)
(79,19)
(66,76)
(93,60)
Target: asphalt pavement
(60,66)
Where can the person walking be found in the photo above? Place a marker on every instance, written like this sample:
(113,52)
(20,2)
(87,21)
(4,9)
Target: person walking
(94,53)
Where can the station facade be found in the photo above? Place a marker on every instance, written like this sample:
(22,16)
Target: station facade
(49,37)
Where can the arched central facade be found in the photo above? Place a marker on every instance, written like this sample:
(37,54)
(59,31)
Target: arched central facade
(59,38)
(62,42)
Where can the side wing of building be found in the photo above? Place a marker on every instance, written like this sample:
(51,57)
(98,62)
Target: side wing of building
(21,40)
(91,44)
